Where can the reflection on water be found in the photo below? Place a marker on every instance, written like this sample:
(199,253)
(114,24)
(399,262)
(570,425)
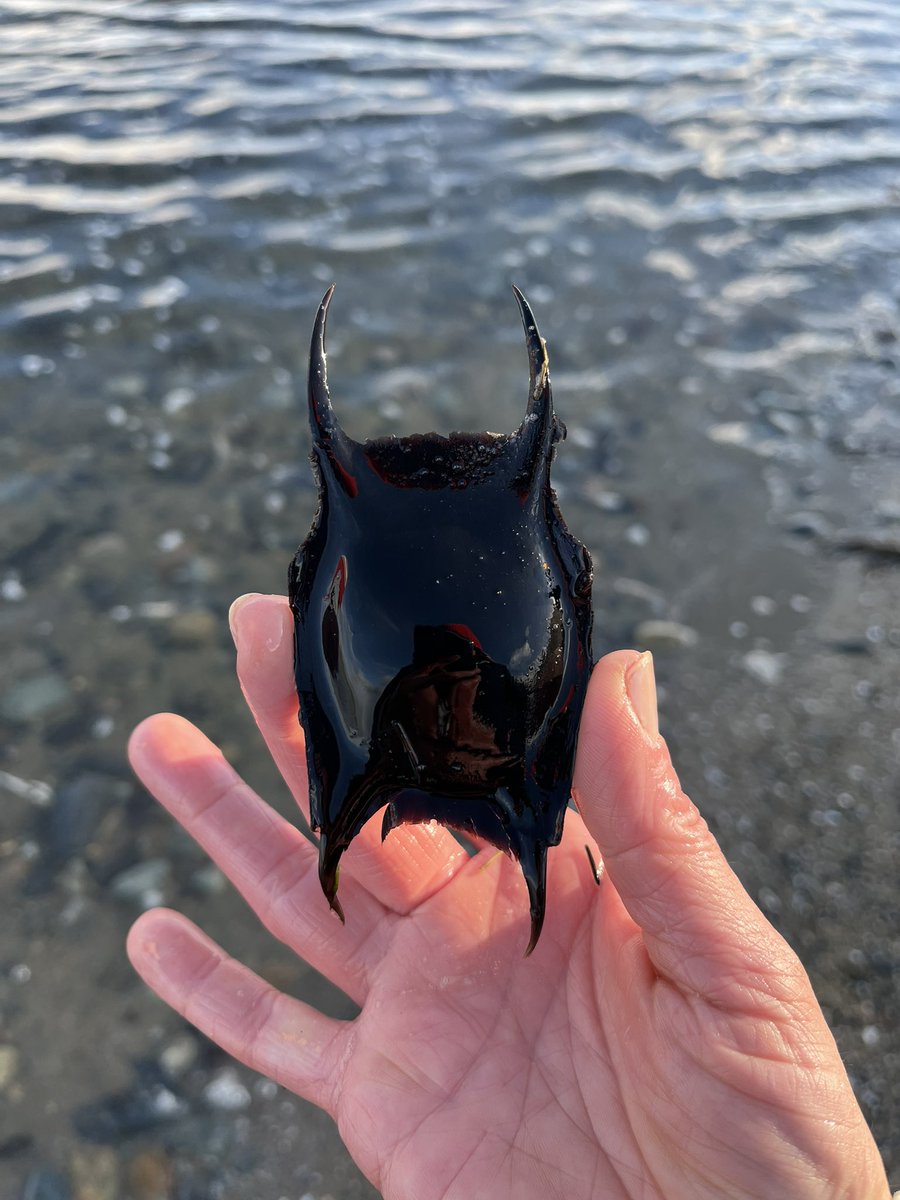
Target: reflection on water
(701,202)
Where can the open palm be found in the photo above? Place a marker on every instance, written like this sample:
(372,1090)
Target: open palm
(662,1040)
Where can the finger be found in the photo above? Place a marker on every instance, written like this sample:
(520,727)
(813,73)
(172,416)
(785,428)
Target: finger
(270,862)
(283,1038)
(415,861)
(701,929)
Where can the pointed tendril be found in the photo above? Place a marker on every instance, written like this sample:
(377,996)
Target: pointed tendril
(538,360)
(321,414)
(540,428)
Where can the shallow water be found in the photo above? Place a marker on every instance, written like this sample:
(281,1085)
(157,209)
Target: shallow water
(701,203)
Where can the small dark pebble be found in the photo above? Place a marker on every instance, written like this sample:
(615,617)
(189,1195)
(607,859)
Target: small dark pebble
(882,543)
(851,646)
(15,1144)
(44,1184)
(150,1103)
(68,825)
(33,514)
(190,464)
(808,524)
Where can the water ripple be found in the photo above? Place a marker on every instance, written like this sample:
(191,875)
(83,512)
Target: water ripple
(721,161)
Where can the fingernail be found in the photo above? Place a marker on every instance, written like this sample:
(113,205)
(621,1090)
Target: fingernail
(260,622)
(640,684)
(234,613)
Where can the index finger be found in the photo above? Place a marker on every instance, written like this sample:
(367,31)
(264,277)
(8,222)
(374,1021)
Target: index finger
(267,859)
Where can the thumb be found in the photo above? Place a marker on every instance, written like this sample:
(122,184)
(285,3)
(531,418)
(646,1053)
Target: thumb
(701,929)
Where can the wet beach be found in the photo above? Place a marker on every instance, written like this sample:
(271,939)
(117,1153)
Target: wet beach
(702,203)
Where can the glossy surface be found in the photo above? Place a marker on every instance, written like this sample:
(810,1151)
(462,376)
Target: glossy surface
(443,629)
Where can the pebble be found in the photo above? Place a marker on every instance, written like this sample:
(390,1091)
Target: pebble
(179,1056)
(145,1106)
(35,697)
(177,399)
(32,365)
(33,790)
(31,510)
(127,387)
(665,635)
(747,437)
(116,415)
(638,590)
(149,1175)
(44,1184)
(729,433)
(157,610)
(16,1143)
(763,606)
(580,436)
(108,545)
(95,1173)
(765,666)
(196,627)
(9,1066)
(597,491)
(407,383)
(208,881)
(70,822)
(12,589)
(266,1089)
(784,422)
(883,542)
(143,883)
(808,524)
(226,1091)
(170,540)
(199,570)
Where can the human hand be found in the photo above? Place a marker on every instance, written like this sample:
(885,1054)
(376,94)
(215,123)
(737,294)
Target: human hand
(663,1041)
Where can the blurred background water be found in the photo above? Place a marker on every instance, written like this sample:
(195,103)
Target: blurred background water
(701,202)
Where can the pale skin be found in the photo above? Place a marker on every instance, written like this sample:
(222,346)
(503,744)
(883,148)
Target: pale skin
(663,1042)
